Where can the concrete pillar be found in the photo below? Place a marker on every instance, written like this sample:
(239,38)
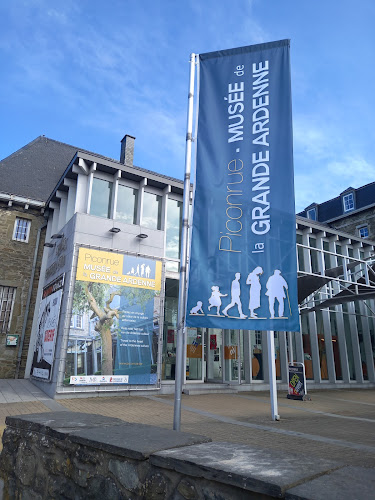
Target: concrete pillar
(247,350)
(63,208)
(116,178)
(141,191)
(81,202)
(283,356)
(72,192)
(311,317)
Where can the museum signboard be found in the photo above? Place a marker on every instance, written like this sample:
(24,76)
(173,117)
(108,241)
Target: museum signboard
(118,298)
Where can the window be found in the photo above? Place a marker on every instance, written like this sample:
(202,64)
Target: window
(21,230)
(7,296)
(76,321)
(127,202)
(101,198)
(173,232)
(151,216)
(363,231)
(311,214)
(348,201)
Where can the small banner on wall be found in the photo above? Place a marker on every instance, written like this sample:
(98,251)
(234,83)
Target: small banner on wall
(48,320)
(297,381)
(118,298)
(243,269)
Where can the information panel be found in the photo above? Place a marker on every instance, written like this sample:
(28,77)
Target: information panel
(117,302)
(48,320)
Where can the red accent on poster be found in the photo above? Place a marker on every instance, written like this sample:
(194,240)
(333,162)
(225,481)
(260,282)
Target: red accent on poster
(213,343)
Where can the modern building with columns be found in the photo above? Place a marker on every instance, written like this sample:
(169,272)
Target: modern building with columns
(108,210)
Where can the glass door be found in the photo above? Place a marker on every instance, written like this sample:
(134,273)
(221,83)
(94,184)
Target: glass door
(214,355)
(194,355)
(232,358)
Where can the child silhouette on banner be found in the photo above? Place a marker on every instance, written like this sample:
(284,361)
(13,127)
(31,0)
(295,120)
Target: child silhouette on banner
(215,299)
(198,308)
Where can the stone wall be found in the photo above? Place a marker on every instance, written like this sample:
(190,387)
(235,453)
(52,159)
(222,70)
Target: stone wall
(350,223)
(16,267)
(67,455)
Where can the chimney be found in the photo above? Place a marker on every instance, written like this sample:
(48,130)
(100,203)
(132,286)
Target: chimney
(127,150)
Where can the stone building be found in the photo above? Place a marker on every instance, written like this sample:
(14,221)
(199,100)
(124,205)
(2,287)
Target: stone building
(27,177)
(353,211)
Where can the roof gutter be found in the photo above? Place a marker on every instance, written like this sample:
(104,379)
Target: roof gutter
(13,198)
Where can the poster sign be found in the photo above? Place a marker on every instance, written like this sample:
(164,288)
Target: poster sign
(243,269)
(48,320)
(118,297)
(297,381)
(11,340)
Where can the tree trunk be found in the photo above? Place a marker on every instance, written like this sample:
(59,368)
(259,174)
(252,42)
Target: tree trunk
(107,359)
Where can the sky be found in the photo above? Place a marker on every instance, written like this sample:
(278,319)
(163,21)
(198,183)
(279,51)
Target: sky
(88,72)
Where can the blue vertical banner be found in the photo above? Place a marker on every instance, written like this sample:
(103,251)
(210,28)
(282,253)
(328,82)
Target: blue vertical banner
(243,268)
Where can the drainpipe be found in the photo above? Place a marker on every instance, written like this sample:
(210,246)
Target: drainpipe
(28,300)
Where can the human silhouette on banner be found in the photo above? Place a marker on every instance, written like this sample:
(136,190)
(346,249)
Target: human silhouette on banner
(275,290)
(254,293)
(197,310)
(235,294)
(215,299)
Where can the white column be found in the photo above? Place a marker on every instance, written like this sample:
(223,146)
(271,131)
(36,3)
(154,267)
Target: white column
(283,356)
(272,374)
(311,317)
(81,194)
(72,192)
(366,332)
(116,178)
(141,191)
(63,207)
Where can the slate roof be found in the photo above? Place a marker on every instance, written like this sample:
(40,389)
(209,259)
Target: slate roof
(34,170)
(331,209)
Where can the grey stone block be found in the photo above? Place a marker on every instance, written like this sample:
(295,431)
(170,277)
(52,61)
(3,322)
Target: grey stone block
(60,423)
(347,483)
(135,441)
(258,470)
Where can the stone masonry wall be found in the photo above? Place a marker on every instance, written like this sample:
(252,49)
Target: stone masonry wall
(350,223)
(68,455)
(15,271)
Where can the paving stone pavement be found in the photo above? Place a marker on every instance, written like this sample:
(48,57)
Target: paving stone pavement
(335,424)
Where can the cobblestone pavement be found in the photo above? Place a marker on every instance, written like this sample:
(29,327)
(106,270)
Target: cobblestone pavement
(335,424)
(338,424)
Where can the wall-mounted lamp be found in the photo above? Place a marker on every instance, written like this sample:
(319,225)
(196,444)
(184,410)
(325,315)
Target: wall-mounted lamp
(57,236)
(115,230)
(49,245)
(142,236)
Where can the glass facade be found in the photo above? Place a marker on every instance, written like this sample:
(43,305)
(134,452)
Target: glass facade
(127,204)
(173,233)
(101,198)
(152,208)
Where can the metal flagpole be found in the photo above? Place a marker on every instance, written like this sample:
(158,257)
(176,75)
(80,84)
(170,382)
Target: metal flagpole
(183,257)
(272,374)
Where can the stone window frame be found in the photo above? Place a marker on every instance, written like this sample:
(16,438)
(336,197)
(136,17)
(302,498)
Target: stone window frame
(311,213)
(348,202)
(76,321)
(7,299)
(21,230)
(363,227)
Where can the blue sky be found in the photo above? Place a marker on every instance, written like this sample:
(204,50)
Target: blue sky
(86,72)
